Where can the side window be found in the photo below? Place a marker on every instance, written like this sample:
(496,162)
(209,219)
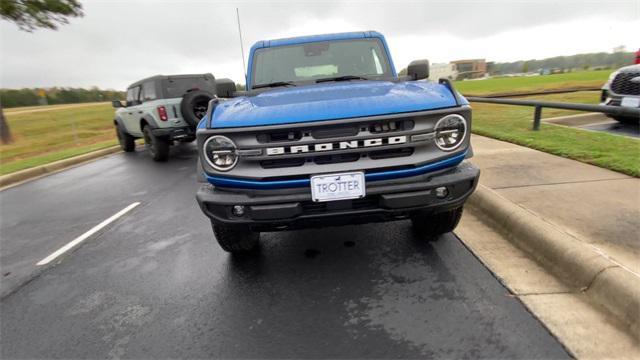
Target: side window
(133,95)
(148,91)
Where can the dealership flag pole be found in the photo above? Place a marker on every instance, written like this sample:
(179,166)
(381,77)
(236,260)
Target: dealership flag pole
(244,65)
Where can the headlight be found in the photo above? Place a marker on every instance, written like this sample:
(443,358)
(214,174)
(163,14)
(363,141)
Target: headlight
(450,132)
(220,152)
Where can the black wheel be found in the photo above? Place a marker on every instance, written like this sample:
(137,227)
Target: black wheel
(158,147)
(127,142)
(627,120)
(434,225)
(235,238)
(194,106)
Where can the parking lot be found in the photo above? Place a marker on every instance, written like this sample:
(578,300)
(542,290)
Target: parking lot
(597,122)
(155,284)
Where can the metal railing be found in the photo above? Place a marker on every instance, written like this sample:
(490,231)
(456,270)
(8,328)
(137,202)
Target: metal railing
(513,94)
(538,105)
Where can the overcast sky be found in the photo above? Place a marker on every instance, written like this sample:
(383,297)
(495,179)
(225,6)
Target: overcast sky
(119,42)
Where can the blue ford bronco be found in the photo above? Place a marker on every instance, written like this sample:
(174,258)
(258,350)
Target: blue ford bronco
(327,133)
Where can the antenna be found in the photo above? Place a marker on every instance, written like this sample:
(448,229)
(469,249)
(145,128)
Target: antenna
(244,65)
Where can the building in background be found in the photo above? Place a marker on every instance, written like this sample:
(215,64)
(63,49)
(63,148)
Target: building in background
(458,70)
(619,49)
(470,69)
(440,71)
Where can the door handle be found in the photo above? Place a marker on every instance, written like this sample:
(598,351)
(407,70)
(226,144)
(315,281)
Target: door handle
(130,113)
(139,112)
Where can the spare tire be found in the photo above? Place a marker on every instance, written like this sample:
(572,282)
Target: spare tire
(194,106)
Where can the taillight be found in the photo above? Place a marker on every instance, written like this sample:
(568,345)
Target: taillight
(162,112)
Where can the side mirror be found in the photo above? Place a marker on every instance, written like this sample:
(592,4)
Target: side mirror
(116,104)
(418,69)
(225,88)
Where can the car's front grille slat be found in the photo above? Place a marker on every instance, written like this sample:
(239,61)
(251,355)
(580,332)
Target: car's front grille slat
(391,153)
(281,163)
(368,202)
(623,85)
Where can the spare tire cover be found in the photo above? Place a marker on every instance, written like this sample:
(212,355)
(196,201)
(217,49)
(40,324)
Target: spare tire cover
(194,106)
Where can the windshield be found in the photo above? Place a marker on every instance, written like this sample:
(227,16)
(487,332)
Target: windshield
(318,60)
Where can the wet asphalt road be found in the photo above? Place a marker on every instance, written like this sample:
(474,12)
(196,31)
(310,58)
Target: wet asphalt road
(155,284)
(614,127)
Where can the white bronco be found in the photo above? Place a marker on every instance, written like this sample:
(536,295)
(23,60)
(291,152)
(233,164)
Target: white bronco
(164,109)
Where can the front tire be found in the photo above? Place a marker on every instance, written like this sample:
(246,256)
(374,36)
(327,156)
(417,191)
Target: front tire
(127,142)
(157,147)
(434,225)
(235,239)
(626,120)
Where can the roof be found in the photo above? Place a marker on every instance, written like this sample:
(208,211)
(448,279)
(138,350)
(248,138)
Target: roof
(315,38)
(168,77)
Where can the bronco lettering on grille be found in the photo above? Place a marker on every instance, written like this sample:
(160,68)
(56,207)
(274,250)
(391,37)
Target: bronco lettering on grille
(341,145)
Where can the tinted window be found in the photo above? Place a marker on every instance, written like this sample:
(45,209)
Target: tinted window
(149,91)
(307,62)
(177,87)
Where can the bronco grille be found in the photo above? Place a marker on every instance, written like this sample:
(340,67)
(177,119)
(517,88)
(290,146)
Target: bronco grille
(623,85)
(336,144)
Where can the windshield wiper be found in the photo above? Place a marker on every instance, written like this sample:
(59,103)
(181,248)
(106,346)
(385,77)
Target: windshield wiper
(342,78)
(274,84)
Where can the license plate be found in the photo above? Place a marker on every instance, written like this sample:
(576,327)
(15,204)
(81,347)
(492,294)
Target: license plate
(332,187)
(633,102)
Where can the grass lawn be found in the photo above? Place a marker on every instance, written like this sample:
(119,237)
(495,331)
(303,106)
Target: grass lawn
(513,124)
(580,79)
(45,136)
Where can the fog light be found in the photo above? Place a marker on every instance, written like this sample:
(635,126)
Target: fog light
(442,192)
(238,210)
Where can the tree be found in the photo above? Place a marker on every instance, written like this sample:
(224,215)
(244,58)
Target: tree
(30,15)
(5,133)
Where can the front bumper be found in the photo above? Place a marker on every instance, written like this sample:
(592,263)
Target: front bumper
(280,209)
(185,133)
(612,99)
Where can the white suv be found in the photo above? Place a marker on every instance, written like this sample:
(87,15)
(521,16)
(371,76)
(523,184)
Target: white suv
(623,89)
(163,109)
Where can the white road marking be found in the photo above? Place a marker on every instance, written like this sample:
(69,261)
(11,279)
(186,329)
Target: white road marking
(86,235)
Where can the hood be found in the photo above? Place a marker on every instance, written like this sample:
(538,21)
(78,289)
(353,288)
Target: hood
(338,100)
(630,68)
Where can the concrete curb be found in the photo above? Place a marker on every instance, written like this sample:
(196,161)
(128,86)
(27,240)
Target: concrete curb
(576,263)
(38,171)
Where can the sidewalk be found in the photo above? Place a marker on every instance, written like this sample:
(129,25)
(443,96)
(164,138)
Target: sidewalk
(595,205)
